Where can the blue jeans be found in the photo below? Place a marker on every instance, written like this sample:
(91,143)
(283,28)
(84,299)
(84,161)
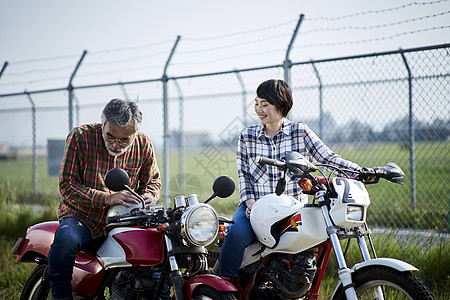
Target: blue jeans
(240,235)
(71,237)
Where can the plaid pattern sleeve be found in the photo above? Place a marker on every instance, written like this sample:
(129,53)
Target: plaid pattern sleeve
(256,180)
(85,164)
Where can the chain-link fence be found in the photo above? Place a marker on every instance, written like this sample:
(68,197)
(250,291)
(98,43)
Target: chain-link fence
(371,109)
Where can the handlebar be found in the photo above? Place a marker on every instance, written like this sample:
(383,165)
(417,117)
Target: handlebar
(300,167)
(270,161)
(151,217)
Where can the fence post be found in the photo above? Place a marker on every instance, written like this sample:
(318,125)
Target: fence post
(244,98)
(411,133)
(320,100)
(33,124)
(181,136)
(287,62)
(124,90)
(166,137)
(70,90)
(3,68)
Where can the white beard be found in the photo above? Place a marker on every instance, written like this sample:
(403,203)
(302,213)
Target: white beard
(115,152)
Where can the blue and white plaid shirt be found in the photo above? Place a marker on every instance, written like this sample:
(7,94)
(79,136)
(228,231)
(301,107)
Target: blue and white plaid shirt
(257,180)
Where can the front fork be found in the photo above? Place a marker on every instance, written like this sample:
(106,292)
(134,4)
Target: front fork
(175,273)
(344,272)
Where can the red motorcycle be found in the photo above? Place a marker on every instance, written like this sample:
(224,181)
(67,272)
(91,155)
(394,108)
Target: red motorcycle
(149,253)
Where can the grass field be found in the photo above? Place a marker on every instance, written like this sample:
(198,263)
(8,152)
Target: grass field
(391,203)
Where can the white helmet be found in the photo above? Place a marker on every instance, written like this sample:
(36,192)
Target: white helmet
(267,213)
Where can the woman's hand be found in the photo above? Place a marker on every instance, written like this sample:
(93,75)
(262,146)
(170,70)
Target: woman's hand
(249,203)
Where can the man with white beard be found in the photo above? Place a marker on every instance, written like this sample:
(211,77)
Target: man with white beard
(91,151)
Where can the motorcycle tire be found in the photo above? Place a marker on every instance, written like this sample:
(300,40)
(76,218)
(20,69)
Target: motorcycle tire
(208,293)
(37,286)
(395,285)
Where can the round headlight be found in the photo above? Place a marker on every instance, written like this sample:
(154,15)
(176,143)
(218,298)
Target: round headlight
(199,225)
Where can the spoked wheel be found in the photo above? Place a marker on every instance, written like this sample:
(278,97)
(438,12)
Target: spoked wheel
(37,286)
(208,293)
(385,283)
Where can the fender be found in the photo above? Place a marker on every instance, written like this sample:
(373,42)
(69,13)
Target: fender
(37,242)
(391,263)
(214,281)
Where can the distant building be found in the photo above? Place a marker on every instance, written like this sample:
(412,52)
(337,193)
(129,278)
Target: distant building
(7,152)
(191,139)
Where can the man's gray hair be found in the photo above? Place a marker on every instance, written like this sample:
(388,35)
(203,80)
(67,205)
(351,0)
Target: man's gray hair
(122,113)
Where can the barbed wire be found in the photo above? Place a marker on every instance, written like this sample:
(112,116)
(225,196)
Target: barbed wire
(26,61)
(168,42)
(374,26)
(231,57)
(239,44)
(372,39)
(210,38)
(250,52)
(375,11)
(128,59)
(42,70)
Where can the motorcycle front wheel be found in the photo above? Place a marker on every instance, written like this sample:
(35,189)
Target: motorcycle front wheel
(208,293)
(37,287)
(391,283)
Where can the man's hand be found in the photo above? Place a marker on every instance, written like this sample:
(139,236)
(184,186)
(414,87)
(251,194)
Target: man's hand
(249,203)
(122,197)
(148,198)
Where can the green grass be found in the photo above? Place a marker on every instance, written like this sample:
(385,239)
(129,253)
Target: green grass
(390,204)
(12,275)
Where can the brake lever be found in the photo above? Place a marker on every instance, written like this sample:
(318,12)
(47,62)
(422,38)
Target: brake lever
(368,176)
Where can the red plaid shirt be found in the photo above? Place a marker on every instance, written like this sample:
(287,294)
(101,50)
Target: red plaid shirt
(83,170)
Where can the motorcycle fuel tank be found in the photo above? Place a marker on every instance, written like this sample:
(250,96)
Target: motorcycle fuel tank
(132,246)
(302,231)
(284,223)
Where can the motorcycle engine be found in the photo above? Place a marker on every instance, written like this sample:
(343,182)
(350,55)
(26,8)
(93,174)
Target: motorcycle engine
(133,284)
(294,273)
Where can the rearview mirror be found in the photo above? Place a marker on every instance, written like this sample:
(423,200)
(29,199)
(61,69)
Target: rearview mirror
(392,172)
(116,179)
(298,164)
(223,187)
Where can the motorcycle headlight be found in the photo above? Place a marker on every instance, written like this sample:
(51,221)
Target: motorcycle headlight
(355,213)
(199,225)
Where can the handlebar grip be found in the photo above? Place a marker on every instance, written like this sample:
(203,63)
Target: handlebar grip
(269,161)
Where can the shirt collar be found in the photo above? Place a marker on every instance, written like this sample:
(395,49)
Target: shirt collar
(285,128)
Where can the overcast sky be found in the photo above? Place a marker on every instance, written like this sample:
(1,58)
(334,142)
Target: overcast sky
(129,40)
